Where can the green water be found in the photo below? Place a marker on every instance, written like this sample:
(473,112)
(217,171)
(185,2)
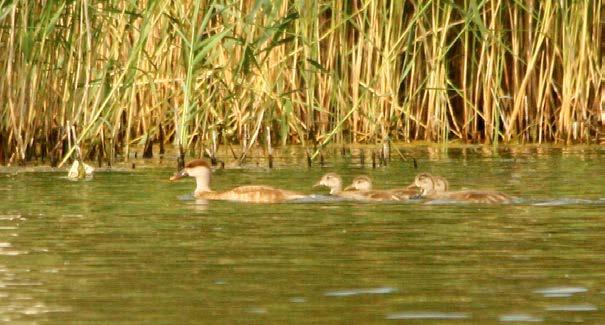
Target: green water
(130,246)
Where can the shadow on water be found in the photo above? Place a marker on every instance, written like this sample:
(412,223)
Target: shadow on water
(130,246)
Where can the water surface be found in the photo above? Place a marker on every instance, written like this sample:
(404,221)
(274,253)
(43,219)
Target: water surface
(130,246)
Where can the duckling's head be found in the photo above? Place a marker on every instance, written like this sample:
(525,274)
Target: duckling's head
(360,183)
(425,182)
(331,180)
(198,169)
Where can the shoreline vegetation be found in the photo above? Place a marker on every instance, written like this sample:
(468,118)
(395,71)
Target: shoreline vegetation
(92,80)
(417,155)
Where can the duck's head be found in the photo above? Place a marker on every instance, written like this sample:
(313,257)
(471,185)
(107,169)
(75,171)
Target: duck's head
(198,169)
(360,183)
(425,182)
(332,181)
(194,168)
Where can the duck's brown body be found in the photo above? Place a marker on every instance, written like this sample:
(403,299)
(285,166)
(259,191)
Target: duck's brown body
(431,190)
(200,170)
(253,194)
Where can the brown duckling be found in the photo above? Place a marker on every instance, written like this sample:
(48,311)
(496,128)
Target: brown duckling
(200,170)
(427,183)
(364,183)
(441,184)
(334,182)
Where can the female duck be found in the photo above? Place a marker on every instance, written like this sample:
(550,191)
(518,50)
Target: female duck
(428,186)
(364,183)
(334,182)
(200,170)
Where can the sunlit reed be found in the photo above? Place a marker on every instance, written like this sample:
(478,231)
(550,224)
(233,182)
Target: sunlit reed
(200,74)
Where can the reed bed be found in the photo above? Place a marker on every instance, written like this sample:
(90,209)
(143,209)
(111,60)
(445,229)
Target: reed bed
(95,78)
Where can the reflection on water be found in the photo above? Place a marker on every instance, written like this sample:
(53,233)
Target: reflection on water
(130,246)
(575,307)
(520,318)
(428,315)
(353,292)
(556,292)
(17,287)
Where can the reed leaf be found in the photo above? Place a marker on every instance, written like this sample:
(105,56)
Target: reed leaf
(201,73)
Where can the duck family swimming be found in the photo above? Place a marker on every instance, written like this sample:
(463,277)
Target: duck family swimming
(425,186)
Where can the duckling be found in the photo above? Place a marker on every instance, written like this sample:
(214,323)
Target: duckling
(427,183)
(364,183)
(441,184)
(200,170)
(360,183)
(334,182)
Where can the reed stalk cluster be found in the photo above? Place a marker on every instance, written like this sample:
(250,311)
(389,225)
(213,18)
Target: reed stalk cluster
(99,77)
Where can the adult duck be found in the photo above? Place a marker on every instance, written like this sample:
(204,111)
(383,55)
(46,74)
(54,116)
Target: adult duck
(200,170)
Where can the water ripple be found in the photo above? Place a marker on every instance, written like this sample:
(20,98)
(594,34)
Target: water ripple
(257,310)
(520,318)
(556,292)
(11,217)
(354,292)
(427,315)
(576,307)
(11,252)
(567,201)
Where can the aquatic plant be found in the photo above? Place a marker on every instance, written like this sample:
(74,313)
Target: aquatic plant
(203,73)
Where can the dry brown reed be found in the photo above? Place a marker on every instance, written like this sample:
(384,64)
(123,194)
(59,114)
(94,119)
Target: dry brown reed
(199,74)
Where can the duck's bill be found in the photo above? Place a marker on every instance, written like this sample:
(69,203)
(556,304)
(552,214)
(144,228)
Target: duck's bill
(179,175)
(350,188)
(318,184)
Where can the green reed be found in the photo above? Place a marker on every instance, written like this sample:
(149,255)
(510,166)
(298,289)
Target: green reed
(203,73)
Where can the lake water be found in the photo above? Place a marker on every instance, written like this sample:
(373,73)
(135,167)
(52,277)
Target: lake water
(130,246)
